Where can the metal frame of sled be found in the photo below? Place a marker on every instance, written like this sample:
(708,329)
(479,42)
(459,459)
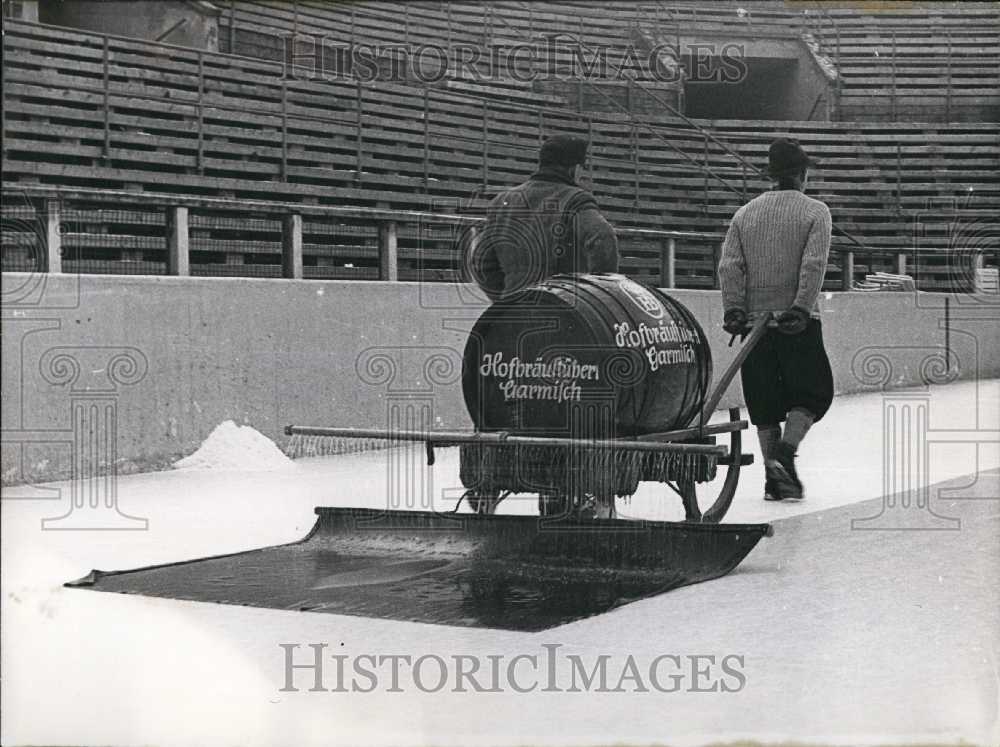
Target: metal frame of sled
(680,441)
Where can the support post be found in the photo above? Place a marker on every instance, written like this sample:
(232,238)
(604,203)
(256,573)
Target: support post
(635,167)
(668,264)
(590,147)
(178,243)
(899,178)
(448,11)
(291,246)
(847,270)
(284,128)
(486,143)
(893,100)
(901,263)
(359,103)
(201,112)
(232,26)
(947,333)
(678,61)
(840,75)
(427,139)
(579,80)
(47,211)
(466,258)
(3,111)
(947,101)
(388,254)
(107,103)
(716,259)
(704,197)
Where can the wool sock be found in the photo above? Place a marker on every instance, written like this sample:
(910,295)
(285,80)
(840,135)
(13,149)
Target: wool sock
(768,436)
(797,425)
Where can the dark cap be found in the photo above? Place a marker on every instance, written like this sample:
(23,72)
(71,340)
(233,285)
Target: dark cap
(563,150)
(787,157)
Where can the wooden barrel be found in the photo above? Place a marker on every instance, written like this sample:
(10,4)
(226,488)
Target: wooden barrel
(587,356)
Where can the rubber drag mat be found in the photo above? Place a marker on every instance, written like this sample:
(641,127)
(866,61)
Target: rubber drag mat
(510,572)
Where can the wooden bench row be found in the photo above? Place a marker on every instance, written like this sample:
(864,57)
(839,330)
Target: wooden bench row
(637,179)
(441,108)
(879,60)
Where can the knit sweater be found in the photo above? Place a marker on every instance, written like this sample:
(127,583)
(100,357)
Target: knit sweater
(775,253)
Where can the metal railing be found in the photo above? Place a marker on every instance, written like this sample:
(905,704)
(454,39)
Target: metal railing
(49,207)
(173,238)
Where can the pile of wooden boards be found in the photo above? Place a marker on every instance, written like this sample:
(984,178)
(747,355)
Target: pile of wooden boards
(987,280)
(885,281)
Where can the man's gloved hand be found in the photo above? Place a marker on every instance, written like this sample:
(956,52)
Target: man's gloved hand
(735,321)
(794,321)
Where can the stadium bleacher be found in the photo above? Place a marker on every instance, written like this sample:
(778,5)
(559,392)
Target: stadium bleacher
(86,111)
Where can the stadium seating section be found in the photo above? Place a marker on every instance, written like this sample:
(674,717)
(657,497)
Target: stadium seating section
(912,165)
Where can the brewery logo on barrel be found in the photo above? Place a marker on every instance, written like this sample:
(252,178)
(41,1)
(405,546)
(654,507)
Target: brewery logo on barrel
(557,379)
(662,344)
(646,301)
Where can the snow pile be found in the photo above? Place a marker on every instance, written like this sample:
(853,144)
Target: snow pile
(232,446)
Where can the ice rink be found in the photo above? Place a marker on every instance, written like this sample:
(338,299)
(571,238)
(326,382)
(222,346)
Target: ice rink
(849,631)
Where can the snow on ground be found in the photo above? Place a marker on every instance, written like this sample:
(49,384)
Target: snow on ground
(899,651)
(236,447)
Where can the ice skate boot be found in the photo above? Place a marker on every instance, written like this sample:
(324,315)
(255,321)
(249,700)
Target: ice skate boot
(785,478)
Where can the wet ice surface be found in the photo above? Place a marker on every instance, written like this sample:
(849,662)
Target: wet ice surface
(508,572)
(848,637)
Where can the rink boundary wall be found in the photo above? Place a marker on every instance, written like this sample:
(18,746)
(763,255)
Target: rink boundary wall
(178,356)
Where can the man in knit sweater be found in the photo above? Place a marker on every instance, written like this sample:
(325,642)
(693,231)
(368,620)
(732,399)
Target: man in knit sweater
(773,261)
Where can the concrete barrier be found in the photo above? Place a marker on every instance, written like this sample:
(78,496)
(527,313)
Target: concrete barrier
(161,361)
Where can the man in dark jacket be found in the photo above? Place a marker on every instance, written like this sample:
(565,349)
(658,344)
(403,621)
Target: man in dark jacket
(546,226)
